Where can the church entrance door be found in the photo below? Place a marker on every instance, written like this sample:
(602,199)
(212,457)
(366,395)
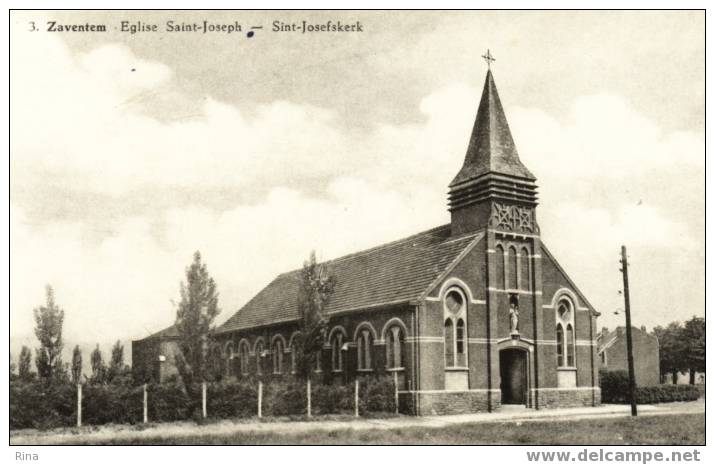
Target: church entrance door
(512,366)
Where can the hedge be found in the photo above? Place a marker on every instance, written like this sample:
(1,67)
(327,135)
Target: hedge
(37,405)
(614,390)
(34,405)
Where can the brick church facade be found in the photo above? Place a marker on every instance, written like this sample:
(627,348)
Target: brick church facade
(467,316)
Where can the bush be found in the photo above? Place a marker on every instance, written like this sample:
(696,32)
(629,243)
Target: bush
(330,398)
(37,405)
(666,393)
(614,390)
(229,399)
(614,386)
(169,402)
(284,398)
(377,394)
(114,403)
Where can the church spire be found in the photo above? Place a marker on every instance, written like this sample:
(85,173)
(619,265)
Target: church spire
(493,189)
(491,148)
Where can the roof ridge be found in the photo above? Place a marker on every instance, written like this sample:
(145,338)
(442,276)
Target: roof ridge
(392,272)
(379,247)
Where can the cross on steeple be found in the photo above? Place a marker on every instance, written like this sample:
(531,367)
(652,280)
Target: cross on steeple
(488,58)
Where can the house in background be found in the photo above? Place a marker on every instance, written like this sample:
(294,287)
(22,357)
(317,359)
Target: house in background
(613,355)
(153,358)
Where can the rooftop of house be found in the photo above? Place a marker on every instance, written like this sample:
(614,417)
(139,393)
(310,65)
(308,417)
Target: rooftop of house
(170,332)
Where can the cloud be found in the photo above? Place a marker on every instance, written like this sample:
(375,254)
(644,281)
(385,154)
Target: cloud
(255,189)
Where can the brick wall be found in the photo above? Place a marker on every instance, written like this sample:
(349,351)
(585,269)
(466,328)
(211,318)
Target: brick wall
(564,398)
(448,402)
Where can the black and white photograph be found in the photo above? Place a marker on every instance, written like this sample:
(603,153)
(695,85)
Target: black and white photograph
(358,227)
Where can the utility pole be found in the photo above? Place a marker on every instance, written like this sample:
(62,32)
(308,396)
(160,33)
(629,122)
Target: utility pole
(629,338)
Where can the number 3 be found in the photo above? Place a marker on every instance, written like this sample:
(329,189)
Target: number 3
(32,26)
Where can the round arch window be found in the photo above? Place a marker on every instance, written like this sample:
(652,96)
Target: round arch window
(454,302)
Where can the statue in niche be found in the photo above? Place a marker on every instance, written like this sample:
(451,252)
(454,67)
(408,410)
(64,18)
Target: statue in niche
(514,315)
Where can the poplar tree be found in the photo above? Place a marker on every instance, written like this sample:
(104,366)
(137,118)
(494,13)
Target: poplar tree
(76,365)
(195,315)
(99,369)
(116,362)
(316,288)
(24,365)
(48,329)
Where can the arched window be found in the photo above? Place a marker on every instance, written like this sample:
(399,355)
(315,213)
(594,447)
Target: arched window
(229,359)
(570,347)
(336,346)
(460,343)
(277,356)
(511,271)
(319,361)
(244,354)
(559,345)
(395,347)
(455,314)
(364,349)
(260,353)
(501,269)
(293,349)
(565,343)
(448,342)
(525,269)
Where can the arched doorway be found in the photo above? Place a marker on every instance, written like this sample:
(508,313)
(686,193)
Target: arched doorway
(514,376)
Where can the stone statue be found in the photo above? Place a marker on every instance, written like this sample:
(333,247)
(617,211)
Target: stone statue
(514,318)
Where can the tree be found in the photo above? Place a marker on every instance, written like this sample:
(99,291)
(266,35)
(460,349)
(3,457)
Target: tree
(194,321)
(316,288)
(76,365)
(24,365)
(48,329)
(13,368)
(673,349)
(694,338)
(116,367)
(99,369)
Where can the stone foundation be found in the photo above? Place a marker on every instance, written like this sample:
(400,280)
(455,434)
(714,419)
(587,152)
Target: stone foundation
(473,401)
(566,397)
(449,402)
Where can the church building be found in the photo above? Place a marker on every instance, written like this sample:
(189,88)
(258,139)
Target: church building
(467,316)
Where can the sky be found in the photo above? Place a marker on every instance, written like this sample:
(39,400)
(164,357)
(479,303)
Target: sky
(131,151)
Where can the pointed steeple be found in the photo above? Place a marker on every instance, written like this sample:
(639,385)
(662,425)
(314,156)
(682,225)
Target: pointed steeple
(493,189)
(491,147)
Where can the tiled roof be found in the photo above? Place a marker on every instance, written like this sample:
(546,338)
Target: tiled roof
(491,148)
(392,273)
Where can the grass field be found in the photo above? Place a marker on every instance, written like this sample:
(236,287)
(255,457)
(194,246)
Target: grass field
(661,429)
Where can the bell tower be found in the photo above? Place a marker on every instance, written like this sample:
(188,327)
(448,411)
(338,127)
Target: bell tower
(493,189)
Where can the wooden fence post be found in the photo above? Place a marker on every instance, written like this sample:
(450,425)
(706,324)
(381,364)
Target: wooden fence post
(203,399)
(397,395)
(79,404)
(146,406)
(357,398)
(308,395)
(260,399)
